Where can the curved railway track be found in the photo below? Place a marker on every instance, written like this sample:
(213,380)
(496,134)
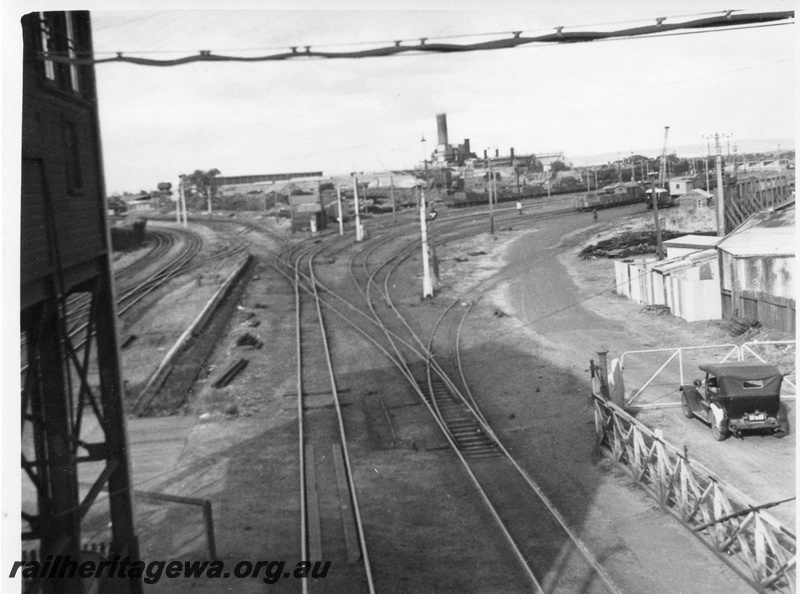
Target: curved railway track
(477,448)
(132,292)
(454,411)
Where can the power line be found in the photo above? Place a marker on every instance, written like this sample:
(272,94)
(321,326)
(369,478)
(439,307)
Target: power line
(425,46)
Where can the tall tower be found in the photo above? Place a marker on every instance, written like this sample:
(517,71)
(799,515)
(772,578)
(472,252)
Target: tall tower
(444,152)
(441,126)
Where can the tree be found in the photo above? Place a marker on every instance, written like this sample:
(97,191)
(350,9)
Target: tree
(198,185)
(557,166)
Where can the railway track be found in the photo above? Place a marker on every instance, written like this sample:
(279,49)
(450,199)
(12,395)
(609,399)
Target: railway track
(482,455)
(331,528)
(478,447)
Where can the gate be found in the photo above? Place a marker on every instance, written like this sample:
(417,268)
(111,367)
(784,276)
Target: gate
(777,352)
(675,367)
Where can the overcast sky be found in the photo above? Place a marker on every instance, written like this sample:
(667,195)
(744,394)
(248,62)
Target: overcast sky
(338,116)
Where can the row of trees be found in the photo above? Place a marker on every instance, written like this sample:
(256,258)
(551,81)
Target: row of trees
(200,187)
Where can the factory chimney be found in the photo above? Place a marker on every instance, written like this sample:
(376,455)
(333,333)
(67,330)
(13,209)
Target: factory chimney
(441,125)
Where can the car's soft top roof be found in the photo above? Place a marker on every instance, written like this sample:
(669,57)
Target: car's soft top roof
(743,371)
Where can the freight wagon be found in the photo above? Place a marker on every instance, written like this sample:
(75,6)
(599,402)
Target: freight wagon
(610,196)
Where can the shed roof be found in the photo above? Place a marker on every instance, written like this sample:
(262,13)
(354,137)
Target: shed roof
(682,262)
(693,241)
(766,233)
(760,241)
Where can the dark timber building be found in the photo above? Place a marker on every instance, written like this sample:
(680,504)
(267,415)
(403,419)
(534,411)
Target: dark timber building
(71,375)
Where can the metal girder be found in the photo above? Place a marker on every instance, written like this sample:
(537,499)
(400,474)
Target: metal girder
(72,382)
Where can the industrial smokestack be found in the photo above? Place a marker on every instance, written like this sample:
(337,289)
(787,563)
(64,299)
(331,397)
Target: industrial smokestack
(496,152)
(441,125)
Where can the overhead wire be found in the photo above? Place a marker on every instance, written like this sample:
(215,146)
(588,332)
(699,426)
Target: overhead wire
(424,45)
(408,40)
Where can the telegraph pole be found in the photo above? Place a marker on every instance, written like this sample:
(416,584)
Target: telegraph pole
(491,207)
(659,248)
(339,203)
(182,201)
(720,191)
(359,231)
(708,145)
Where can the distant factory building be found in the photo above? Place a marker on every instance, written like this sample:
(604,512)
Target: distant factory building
(235,180)
(445,154)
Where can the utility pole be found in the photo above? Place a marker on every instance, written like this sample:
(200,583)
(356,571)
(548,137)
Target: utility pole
(339,204)
(633,170)
(708,145)
(491,208)
(359,231)
(182,203)
(659,248)
(720,191)
(427,282)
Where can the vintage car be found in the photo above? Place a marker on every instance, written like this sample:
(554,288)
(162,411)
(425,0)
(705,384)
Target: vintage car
(736,397)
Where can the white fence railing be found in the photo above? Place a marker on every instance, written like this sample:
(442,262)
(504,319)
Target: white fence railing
(676,366)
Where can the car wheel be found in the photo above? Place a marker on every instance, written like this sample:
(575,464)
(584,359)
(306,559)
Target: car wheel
(718,429)
(687,410)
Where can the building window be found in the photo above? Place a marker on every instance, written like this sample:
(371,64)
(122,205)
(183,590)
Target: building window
(58,37)
(47,41)
(72,48)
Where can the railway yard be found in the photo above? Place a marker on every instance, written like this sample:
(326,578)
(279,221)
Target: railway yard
(330,413)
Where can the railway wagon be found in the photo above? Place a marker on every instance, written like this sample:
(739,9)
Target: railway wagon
(469,198)
(664,199)
(610,197)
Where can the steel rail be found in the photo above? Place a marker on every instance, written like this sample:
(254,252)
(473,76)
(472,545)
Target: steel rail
(402,366)
(342,433)
(311,290)
(610,586)
(301,427)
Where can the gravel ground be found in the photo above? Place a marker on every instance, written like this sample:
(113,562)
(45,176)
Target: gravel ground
(526,359)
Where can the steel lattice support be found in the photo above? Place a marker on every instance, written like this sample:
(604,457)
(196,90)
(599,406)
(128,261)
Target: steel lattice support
(72,381)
